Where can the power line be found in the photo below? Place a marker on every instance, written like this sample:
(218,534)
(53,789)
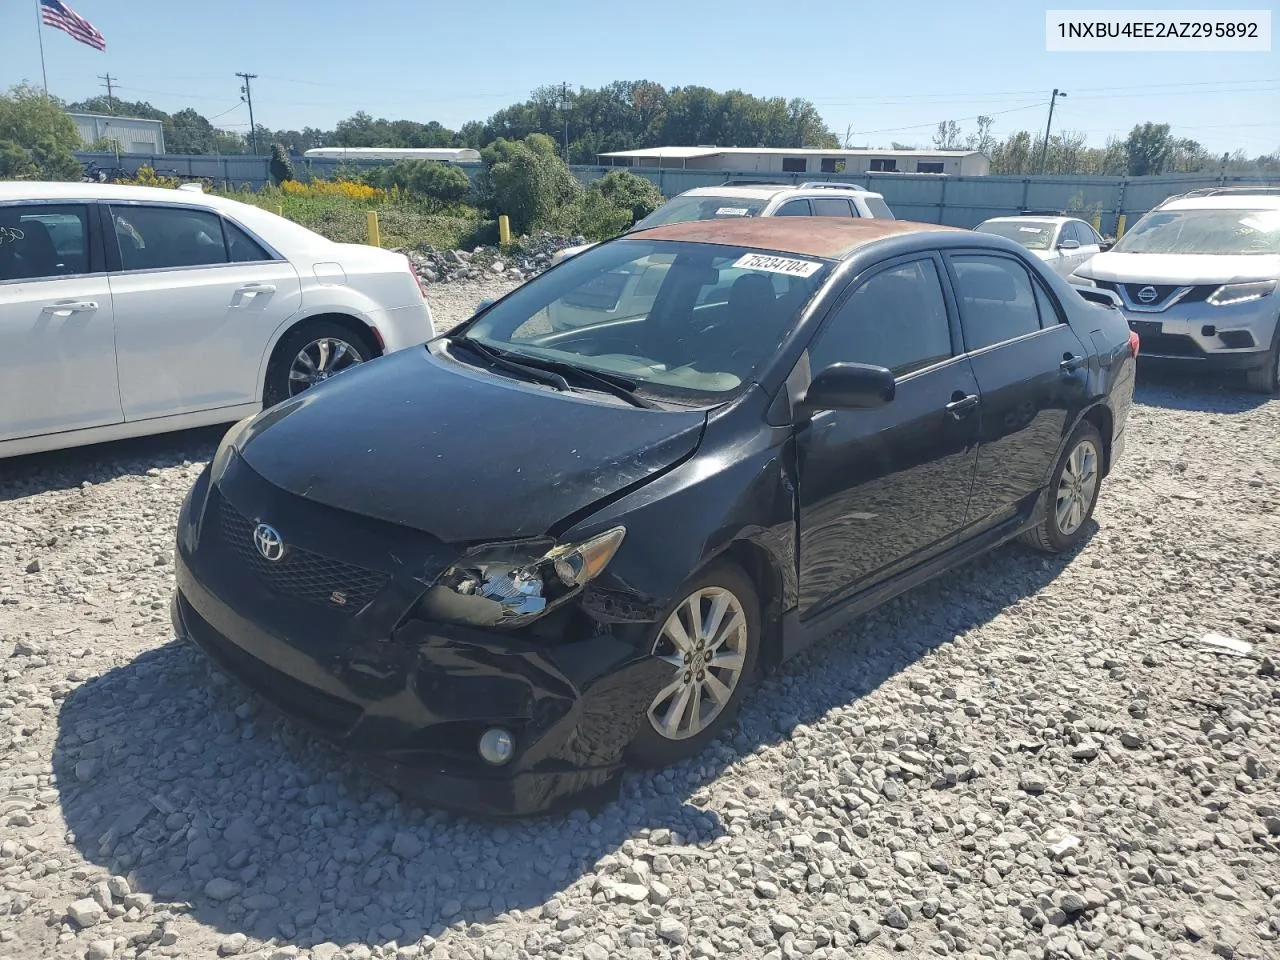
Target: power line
(110,80)
(980,96)
(247,92)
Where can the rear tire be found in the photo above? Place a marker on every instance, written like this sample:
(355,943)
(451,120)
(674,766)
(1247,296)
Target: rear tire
(711,636)
(322,347)
(1266,378)
(1072,494)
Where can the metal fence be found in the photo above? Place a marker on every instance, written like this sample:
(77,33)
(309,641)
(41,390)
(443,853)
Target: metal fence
(954,201)
(967,201)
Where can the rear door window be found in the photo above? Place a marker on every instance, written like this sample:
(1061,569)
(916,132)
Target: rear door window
(831,207)
(159,238)
(997,300)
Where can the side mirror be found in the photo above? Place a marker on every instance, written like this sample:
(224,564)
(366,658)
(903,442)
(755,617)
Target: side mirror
(1098,295)
(1069,245)
(849,386)
(1106,245)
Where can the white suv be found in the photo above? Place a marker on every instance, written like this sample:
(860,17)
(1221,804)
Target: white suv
(133,310)
(1197,278)
(751,198)
(628,291)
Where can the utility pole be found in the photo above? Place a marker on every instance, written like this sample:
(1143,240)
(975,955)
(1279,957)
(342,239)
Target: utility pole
(1044,148)
(564,93)
(246,94)
(111,99)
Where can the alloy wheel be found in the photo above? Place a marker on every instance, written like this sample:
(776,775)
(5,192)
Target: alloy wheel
(319,360)
(1076,487)
(705,641)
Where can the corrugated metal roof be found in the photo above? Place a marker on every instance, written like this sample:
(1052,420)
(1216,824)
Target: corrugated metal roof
(831,238)
(689,153)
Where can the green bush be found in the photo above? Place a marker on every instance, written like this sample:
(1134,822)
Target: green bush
(626,190)
(591,215)
(36,138)
(431,179)
(527,181)
(281,167)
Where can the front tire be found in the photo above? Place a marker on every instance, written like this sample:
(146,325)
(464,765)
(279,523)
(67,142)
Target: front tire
(311,353)
(1072,494)
(1266,378)
(711,637)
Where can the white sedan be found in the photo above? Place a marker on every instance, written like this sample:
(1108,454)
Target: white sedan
(1064,243)
(134,310)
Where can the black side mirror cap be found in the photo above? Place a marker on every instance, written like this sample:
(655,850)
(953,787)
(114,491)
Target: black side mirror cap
(849,386)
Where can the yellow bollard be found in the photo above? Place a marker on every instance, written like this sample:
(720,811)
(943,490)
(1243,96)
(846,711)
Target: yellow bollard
(1097,222)
(375,235)
(504,229)
(1120,226)
(279,209)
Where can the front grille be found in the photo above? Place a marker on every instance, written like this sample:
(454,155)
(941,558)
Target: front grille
(332,584)
(1169,345)
(1163,293)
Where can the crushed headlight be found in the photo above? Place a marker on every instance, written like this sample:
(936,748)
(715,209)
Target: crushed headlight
(509,585)
(1230,293)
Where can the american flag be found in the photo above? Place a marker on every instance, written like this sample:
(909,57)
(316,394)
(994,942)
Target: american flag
(54,13)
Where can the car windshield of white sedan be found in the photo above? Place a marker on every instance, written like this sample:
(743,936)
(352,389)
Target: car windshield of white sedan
(674,318)
(685,209)
(1214,232)
(1034,235)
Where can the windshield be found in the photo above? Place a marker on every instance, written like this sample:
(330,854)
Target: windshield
(681,319)
(1220,232)
(686,208)
(1034,235)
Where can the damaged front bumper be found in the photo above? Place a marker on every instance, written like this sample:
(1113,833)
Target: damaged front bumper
(411,703)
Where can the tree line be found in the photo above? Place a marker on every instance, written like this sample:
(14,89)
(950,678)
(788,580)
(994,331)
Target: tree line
(628,115)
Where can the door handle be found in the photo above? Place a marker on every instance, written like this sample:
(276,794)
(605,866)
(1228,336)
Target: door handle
(1071,363)
(962,404)
(66,308)
(253,289)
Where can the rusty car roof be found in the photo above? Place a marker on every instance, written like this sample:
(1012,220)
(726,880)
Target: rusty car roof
(830,238)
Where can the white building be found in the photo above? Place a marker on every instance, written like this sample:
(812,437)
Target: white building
(131,134)
(443,154)
(774,160)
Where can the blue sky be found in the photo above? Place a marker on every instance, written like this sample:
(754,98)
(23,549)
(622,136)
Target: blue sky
(889,71)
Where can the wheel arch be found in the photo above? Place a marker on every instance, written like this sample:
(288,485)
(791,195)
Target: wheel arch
(761,567)
(1101,416)
(352,323)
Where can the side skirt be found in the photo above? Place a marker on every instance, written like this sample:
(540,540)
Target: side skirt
(798,634)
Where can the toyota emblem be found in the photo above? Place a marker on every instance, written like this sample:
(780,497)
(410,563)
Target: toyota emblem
(1148,294)
(269,542)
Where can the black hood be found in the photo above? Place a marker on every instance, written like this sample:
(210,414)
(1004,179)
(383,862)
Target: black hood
(460,453)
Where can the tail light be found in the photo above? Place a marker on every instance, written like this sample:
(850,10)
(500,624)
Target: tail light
(417,277)
(1134,343)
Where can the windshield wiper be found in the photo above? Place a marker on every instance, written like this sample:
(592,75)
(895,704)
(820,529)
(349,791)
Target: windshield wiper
(502,360)
(619,386)
(613,384)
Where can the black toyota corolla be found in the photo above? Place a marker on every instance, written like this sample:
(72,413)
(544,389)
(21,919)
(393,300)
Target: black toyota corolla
(564,536)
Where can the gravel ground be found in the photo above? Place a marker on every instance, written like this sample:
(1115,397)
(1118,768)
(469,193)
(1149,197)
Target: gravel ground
(1027,758)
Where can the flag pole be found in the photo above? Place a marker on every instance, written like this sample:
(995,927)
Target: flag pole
(40,33)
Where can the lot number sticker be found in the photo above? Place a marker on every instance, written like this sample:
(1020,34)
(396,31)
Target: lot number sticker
(732,212)
(792,268)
